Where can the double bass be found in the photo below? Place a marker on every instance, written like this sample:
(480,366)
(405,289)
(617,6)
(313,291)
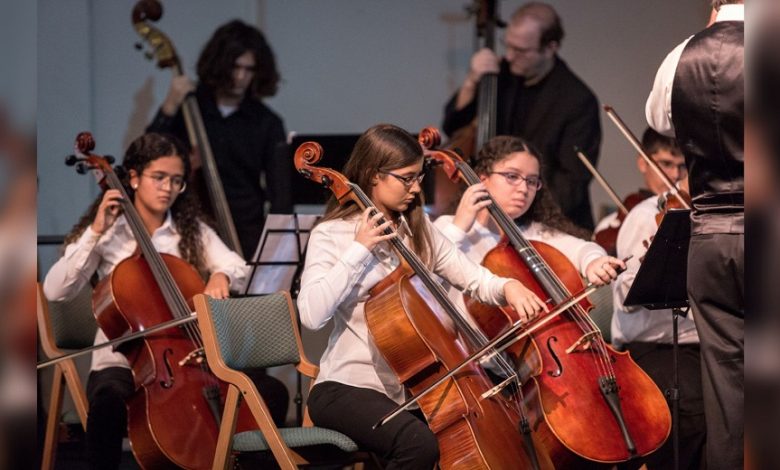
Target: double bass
(599,404)
(469,139)
(173,416)
(472,431)
(144,12)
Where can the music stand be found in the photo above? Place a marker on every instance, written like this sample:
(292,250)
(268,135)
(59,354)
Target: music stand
(667,260)
(277,265)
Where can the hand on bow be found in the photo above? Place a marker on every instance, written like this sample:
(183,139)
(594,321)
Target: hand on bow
(603,270)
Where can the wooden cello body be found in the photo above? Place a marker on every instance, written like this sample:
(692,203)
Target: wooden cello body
(402,315)
(173,416)
(160,429)
(599,404)
(575,392)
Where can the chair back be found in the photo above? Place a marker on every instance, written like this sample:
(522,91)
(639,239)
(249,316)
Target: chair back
(602,311)
(256,332)
(64,325)
(67,324)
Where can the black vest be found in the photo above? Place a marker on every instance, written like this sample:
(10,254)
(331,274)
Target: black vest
(708,113)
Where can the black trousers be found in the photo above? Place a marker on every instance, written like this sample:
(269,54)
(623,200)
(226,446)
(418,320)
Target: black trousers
(107,390)
(405,442)
(657,361)
(716,292)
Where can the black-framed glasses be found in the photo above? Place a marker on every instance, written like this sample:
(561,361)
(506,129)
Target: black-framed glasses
(514,179)
(407,181)
(519,50)
(159,179)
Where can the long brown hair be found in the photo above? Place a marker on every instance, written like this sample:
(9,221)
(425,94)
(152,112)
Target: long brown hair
(382,148)
(185,211)
(544,209)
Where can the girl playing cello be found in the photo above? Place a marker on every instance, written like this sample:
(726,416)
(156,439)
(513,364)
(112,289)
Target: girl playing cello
(156,166)
(510,172)
(347,255)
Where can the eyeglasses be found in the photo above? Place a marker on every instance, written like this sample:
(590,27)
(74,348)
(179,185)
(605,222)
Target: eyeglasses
(519,50)
(407,181)
(177,182)
(514,179)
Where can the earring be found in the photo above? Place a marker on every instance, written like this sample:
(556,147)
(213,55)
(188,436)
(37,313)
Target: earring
(135,185)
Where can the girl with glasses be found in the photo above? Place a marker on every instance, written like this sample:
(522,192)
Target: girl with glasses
(154,175)
(348,254)
(510,173)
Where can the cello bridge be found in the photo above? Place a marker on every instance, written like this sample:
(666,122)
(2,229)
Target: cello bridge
(497,389)
(584,342)
(195,357)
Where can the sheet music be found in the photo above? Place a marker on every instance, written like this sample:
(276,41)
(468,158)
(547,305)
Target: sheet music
(279,247)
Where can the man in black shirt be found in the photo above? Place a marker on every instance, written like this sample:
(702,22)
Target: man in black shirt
(540,99)
(236,69)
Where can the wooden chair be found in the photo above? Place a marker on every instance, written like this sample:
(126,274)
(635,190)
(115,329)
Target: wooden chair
(261,332)
(64,325)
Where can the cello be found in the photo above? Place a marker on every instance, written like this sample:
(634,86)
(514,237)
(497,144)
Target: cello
(173,416)
(472,431)
(574,371)
(144,12)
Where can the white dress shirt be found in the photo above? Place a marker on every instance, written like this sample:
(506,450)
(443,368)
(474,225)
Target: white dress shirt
(338,274)
(479,240)
(637,324)
(93,252)
(658,109)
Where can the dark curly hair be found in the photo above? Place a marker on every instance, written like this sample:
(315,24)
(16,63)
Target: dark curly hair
(543,209)
(185,211)
(385,147)
(231,40)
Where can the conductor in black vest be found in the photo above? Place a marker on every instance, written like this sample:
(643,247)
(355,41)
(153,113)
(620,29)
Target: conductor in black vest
(698,95)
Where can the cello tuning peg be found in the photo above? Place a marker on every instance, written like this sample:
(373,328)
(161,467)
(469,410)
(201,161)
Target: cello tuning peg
(81,168)
(110,159)
(138,46)
(148,55)
(71,160)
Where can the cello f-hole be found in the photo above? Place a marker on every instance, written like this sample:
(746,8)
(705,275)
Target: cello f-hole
(168,382)
(559,370)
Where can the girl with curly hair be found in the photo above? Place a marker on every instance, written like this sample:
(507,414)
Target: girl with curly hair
(510,172)
(154,173)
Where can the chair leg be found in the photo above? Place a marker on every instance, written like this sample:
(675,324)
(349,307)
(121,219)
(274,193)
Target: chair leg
(53,421)
(223,456)
(76,389)
(285,457)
